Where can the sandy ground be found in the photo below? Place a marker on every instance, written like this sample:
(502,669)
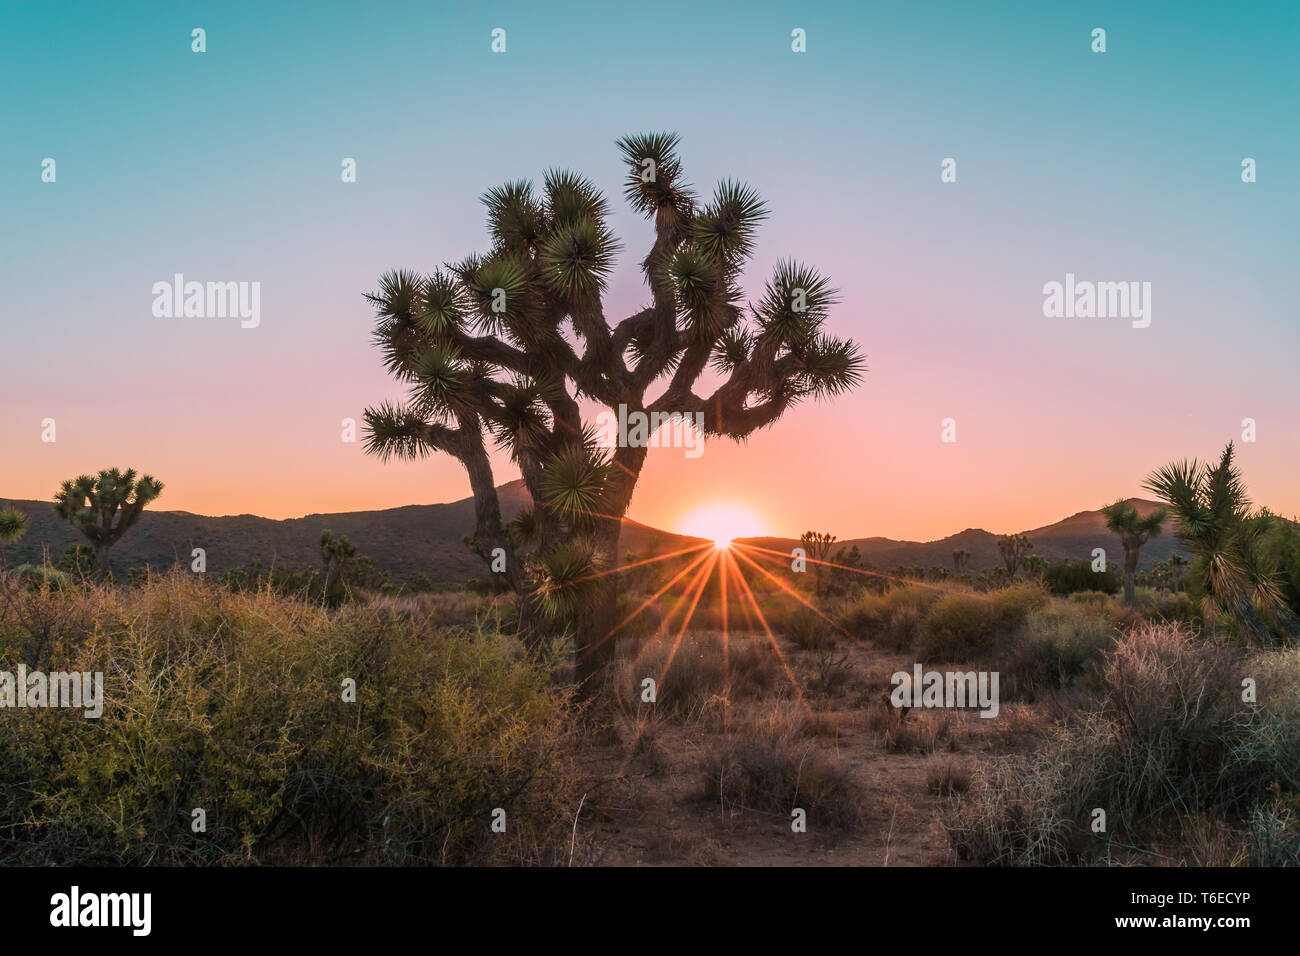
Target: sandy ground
(649,809)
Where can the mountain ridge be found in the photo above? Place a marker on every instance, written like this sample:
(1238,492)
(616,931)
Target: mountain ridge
(428,539)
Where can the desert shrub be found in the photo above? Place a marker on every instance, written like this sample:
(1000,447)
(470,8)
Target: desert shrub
(1094,601)
(778,775)
(231,702)
(1055,648)
(1072,577)
(1171,738)
(809,631)
(947,778)
(1169,606)
(1281,549)
(921,732)
(447,608)
(960,626)
(830,672)
(780,720)
(699,671)
(1013,605)
(778,608)
(37,577)
(1274,836)
(894,618)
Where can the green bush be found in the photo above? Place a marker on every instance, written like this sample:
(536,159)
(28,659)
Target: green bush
(1166,606)
(1055,648)
(1072,577)
(1013,605)
(894,618)
(961,626)
(231,702)
(37,577)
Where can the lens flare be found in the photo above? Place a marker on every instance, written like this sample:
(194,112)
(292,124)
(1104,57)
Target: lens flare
(722,521)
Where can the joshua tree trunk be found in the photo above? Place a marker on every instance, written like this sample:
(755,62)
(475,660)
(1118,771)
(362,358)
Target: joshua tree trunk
(101,559)
(1130,575)
(593,643)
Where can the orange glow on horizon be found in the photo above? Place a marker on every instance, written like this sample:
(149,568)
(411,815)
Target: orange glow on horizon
(721,522)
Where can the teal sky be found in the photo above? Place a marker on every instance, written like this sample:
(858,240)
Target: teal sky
(225,166)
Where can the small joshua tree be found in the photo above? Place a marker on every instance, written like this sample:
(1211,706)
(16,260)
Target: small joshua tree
(1013,548)
(960,559)
(500,348)
(816,545)
(105,507)
(13,525)
(1134,531)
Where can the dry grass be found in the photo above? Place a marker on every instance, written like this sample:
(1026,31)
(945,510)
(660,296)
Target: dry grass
(948,778)
(778,775)
(1170,741)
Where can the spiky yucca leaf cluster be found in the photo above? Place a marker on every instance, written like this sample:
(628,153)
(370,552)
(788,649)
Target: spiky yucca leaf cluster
(1215,523)
(13,525)
(566,576)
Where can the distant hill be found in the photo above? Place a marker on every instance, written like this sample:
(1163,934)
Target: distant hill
(429,539)
(1073,537)
(403,541)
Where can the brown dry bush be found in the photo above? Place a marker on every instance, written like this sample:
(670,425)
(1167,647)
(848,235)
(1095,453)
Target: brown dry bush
(776,775)
(948,778)
(1171,739)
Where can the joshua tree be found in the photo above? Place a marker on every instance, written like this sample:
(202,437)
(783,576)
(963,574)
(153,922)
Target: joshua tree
(501,347)
(816,545)
(1134,531)
(1013,548)
(1215,524)
(1035,565)
(1177,565)
(960,559)
(335,553)
(90,505)
(13,525)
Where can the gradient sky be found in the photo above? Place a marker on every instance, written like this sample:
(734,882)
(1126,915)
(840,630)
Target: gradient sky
(225,166)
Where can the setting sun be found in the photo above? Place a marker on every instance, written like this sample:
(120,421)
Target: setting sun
(721,521)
